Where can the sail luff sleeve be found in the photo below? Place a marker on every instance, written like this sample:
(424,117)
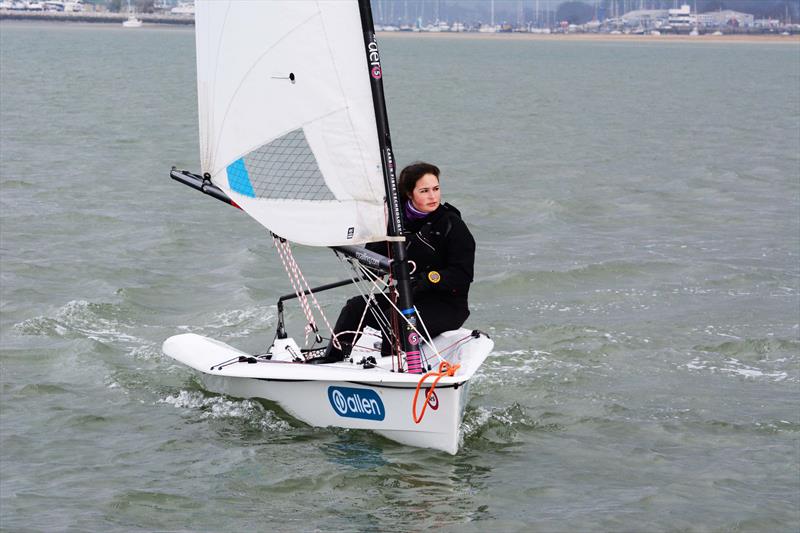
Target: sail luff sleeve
(400,270)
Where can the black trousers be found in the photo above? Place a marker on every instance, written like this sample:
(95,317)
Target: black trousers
(438,315)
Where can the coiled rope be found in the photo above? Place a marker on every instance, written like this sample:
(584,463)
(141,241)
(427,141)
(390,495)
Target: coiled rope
(445,369)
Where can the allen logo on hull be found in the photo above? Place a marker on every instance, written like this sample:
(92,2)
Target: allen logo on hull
(356,403)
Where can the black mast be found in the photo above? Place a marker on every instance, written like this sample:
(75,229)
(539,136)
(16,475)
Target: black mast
(410,340)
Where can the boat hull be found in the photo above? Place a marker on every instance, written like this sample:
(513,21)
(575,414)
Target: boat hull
(343,394)
(383,409)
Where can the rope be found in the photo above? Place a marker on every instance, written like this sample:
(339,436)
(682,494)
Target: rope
(290,266)
(432,344)
(335,337)
(445,369)
(300,286)
(380,285)
(369,297)
(412,327)
(459,341)
(388,328)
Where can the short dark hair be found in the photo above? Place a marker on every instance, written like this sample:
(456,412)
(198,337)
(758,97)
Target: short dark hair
(410,175)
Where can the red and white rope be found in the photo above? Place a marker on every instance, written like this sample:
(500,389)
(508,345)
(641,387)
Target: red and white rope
(300,286)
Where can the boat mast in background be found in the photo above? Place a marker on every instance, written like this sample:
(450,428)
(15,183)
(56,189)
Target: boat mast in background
(132,21)
(400,268)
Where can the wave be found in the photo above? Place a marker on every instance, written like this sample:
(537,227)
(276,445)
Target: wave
(768,427)
(102,322)
(17,184)
(498,425)
(771,359)
(116,324)
(220,407)
(735,367)
(573,353)
(754,348)
(243,322)
(512,278)
(39,390)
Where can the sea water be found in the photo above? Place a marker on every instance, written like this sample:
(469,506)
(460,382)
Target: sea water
(636,209)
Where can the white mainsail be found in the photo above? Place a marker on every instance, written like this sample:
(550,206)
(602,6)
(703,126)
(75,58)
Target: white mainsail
(287,125)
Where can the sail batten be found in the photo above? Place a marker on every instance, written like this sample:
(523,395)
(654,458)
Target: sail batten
(286,117)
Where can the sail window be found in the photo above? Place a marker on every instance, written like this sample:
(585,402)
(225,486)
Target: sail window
(283,169)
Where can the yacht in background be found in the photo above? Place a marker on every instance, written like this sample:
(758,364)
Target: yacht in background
(132,21)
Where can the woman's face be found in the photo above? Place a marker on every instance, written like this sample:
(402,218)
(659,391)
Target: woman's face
(426,194)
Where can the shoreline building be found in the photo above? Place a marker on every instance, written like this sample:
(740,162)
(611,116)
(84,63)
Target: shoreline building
(646,18)
(681,18)
(728,17)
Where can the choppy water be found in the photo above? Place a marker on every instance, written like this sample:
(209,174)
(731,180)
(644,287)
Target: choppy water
(637,211)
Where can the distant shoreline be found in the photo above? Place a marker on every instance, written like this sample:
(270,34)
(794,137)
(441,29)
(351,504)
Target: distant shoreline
(91,17)
(187,22)
(600,37)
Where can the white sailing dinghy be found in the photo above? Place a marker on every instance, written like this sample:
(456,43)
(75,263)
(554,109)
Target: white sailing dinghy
(293,131)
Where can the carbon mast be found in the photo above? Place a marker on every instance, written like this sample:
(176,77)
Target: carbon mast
(409,339)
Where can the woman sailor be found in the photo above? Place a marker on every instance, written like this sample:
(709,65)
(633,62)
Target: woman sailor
(443,250)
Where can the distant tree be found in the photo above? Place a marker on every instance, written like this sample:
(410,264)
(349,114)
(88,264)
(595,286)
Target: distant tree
(575,12)
(114,6)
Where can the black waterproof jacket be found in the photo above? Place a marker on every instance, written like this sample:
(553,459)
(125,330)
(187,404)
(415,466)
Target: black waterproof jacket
(443,250)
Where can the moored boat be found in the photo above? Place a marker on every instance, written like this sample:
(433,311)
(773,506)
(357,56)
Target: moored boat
(132,21)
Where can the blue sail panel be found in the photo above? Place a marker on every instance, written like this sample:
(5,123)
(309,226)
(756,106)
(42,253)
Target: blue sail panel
(239,179)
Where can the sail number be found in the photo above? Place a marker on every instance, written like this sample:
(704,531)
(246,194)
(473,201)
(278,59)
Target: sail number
(374,59)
